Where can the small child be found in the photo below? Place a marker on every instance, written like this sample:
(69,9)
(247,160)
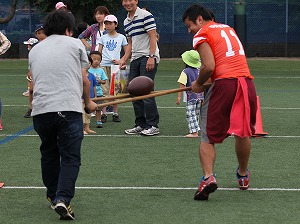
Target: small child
(40,35)
(30,43)
(110,47)
(193,100)
(101,79)
(93,92)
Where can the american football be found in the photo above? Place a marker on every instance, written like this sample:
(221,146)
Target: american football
(141,85)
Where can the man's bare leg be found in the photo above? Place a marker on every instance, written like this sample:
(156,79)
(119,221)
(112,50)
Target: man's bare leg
(242,149)
(207,158)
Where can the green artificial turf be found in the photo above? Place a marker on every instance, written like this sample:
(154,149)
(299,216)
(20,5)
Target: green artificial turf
(135,179)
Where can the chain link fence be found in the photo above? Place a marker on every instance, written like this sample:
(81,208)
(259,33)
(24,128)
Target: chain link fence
(272,26)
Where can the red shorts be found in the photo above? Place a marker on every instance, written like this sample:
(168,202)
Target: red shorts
(216,108)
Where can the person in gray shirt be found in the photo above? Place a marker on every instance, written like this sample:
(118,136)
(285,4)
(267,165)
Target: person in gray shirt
(59,71)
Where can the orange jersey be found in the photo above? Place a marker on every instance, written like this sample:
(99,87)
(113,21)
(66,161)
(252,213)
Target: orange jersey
(228,50)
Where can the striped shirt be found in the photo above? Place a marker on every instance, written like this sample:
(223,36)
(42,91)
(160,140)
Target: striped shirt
(137,29)
(5,43)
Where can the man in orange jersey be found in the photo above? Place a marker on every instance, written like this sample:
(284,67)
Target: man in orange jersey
(229,107)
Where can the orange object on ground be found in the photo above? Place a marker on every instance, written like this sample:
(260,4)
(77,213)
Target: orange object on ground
(259,132)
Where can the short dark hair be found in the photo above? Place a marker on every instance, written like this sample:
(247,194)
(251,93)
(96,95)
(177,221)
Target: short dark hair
(212,15)
(82,27)
(196,10)
(57,22)
(95,52)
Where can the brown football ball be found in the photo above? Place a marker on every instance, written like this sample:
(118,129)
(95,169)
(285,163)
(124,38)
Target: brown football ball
(141,85)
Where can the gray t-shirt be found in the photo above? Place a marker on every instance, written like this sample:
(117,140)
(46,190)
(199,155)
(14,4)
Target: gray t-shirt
(56,64)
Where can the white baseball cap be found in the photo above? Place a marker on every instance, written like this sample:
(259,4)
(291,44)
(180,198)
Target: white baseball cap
(111,18)
(31,41)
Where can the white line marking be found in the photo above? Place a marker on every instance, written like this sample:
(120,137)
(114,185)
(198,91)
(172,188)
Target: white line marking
(156,136)
(156,188)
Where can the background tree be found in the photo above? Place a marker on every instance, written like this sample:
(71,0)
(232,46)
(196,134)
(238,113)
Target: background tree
(11,14)
(82,9)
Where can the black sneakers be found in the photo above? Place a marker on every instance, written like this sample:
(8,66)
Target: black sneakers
(52,205)
(116,118)
(28,114)
(64,210)
(103,118)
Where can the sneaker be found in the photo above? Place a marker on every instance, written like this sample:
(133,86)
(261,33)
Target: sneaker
(243,180)
(150,131)
(134,131)
(26,93)
(28,113)
(64,210)
(52,205)
(1,128)
(103,118)
(109,109)
(116,118)
(206,187)
(99,124)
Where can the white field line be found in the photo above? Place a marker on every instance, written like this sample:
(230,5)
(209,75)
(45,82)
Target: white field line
(156,188)
(156,136)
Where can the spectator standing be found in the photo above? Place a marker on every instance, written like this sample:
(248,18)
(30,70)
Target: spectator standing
(193,100)
(110,48)
(95,31)
(140,29)
(40,35)
(5,45)
(93,93)
(101,79)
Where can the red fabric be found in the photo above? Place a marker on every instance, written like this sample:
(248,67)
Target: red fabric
(112,85)
(240,112)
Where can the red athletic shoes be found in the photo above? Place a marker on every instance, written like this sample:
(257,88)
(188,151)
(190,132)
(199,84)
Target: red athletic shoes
(243,180)
(205,188)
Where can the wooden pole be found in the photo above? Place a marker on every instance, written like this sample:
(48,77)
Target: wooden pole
(150,95)
(120,96)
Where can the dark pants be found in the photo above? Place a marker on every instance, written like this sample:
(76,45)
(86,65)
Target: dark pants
(146,113)
(61,134)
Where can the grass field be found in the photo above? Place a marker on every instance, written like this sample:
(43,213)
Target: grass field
(135,179)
